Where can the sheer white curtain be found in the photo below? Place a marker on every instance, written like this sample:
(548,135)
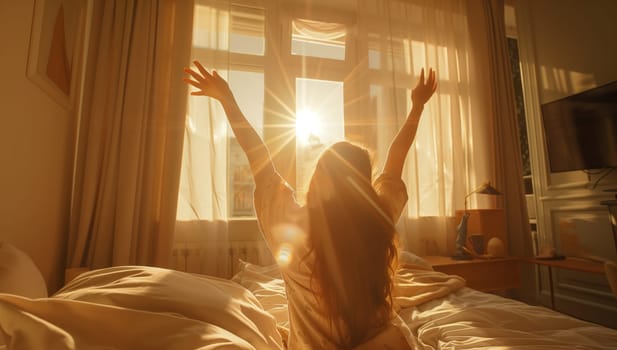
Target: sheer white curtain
(203,194)
(450,153)
(202,201)
(216,183)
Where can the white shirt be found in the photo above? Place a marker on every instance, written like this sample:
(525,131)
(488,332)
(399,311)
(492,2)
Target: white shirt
(284,225)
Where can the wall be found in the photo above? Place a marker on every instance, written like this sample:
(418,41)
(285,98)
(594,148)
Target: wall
(568,46)
(36,147)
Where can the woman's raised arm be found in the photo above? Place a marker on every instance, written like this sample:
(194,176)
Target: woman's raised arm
(213,85)
(397,153)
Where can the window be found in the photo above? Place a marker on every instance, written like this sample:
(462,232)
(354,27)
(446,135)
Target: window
(239,29)
(216,181)
(318,39)
(317,62)
(315,78)
(248,87)
(231,39)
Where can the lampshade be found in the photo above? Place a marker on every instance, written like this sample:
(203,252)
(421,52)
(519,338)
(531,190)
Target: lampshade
(485,188)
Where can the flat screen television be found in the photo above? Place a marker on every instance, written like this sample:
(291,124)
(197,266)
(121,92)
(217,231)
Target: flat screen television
(581,130)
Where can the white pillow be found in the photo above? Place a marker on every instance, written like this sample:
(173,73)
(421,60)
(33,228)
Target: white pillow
(19,275)
(409,259)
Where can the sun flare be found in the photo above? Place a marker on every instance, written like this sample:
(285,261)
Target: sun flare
(308,126)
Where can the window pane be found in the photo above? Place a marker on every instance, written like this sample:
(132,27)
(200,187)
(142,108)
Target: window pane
(248,88)
(376,45)
(318,39)
(247,31)
(319,123)
(210,28)
(239,29)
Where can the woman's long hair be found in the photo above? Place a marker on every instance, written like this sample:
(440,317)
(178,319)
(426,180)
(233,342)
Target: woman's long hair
(352,239)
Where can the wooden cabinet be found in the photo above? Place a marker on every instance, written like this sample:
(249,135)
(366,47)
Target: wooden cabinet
(487,275)
(573,264)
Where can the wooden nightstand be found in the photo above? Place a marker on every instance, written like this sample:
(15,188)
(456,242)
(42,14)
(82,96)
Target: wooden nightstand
(487,275)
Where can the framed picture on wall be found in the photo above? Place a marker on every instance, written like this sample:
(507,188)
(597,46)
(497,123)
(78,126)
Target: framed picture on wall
(56,44)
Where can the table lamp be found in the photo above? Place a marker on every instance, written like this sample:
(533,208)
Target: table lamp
(461,230)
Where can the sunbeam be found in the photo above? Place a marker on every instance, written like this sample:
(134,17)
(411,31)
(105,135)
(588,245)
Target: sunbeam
(307,126)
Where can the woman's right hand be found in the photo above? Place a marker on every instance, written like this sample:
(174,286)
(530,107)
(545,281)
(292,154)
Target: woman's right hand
(208,84)
(399,147)
(424,89)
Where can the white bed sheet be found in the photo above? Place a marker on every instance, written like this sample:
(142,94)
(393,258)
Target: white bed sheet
(443,314)
(469,319)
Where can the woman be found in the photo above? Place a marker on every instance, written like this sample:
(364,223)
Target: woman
(337,252)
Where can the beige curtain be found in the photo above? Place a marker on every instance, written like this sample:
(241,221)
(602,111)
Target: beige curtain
(130,135)
(491,43)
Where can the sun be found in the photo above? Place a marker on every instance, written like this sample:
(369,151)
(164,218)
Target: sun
(308,126)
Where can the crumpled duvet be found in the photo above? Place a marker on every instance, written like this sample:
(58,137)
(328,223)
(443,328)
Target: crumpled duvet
(138,307)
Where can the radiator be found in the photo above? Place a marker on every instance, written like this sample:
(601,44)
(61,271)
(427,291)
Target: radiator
(219,259)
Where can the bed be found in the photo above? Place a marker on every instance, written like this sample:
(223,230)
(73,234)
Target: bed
(141,307)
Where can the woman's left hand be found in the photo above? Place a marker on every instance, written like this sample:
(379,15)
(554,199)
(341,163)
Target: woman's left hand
(209,84)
